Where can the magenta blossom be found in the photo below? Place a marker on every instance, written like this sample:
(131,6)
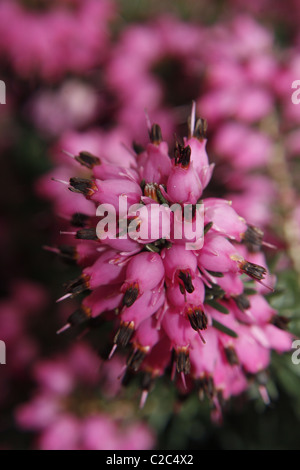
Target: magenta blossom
(178,303)
(63,418)
(49,43)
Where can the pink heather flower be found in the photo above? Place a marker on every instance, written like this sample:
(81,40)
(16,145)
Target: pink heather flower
(50,43)
(170,298)
(242,146)
(63,420)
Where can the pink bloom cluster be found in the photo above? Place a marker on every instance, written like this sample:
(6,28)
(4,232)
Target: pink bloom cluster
(68,413)
(66,36)
(232,67)
(189,308)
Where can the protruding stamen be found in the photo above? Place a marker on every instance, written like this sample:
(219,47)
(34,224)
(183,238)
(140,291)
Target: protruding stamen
(66,183)
(87,159)
(201,337)
(253,238)
(52,249)
(83,186)
(112,351)
(197,318)
(183,363)
(69,154)
(124,333)
(186,279)
(200,129)
(87,234)
(80,316)
(182,155)
(78,285)
(66,252)
(264,394)
(64,328)
(143,399)
(183,380)
(137,356)
(254,271)
(68,233)
(193,119)
(64,297)
(155,134)
(206,385)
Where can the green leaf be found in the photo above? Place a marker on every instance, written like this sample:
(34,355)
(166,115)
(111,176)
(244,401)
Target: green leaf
(217,306)
(219,326)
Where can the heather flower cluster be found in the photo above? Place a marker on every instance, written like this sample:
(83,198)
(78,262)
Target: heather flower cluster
(200,311)
(161,237)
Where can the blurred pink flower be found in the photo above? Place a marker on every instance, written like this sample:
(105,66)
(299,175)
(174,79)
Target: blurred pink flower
(66,421)
(69,36)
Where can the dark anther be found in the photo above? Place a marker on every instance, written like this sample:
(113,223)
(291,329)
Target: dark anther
(185,277)
(78,285)
(253,238)
(183,363)
(138,148)
(214,292)
(182,155)
(147,381)
(231,356)
(82,185)
(242,302)
(136,358)
(198,319)
(280,321)
(253,270)
(124,333)
(150,190)
(80,316)
(206,385)
(128,377)
(155,134)
(131,295)
(87,234)
(68,252)
(88,160)
(200,129)
(80,220)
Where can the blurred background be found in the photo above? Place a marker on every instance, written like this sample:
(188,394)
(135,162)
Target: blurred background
(79,75)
